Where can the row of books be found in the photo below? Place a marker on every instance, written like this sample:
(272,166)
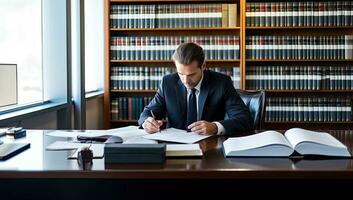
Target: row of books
(233,72)
(149,78)
(315,13)
(163,47)
(138,78)
(299,77)
(299,47)
(128,108)
(173,15)
(310,109)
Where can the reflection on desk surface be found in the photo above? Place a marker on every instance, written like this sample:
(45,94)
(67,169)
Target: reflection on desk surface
(261,163)
(327,164)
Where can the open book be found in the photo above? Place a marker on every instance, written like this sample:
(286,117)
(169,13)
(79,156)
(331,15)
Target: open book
(275,144)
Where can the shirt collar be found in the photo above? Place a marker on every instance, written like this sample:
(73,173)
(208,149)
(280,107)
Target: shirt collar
(198,86)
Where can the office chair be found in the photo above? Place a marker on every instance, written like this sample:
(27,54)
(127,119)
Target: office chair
(256,103)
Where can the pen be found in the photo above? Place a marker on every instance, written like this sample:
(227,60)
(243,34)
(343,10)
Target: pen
(154,117)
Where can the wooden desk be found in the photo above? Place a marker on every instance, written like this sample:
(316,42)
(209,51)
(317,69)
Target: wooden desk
(50,171)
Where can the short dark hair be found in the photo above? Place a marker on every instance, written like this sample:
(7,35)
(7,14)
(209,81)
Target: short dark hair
(186,53)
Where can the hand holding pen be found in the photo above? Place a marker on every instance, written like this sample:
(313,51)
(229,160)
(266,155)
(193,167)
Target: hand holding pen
(151,125)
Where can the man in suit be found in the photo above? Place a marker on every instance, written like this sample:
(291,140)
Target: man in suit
(196,99)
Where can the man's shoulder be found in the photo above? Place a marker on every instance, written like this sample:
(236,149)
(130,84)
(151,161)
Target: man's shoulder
(216,76)
(170,78)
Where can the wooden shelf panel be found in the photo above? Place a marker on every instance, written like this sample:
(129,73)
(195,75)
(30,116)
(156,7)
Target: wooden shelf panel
(242,31)
(177,29)
(270,60)
(300,27)
(168,61)
(173,1)
(129,121)
(308,31)
(309,91)
(133,91)
(297,122)
(269,91)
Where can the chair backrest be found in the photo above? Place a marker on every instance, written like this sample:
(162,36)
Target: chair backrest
(256,103)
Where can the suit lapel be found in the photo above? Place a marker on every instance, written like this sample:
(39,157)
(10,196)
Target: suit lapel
(181,97)
(203,94)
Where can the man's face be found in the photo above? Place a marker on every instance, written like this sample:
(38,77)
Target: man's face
(190,75)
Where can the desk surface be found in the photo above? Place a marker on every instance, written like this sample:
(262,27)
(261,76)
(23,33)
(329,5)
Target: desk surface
(38,163)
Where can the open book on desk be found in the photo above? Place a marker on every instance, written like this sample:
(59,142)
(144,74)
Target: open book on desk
(275,144)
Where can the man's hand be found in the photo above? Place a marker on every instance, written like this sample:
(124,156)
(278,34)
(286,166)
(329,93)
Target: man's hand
(203,127)
(151,125)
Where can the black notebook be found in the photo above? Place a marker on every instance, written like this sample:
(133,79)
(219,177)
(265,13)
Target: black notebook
(7,150)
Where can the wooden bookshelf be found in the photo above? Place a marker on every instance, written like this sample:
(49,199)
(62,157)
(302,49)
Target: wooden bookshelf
(309,125)
(309,91)
(215,29)
(256,29)
(166,1)
(173,31)
(300,27)
(303,60)
(241,30)
(268,91)
(306,122)
(170,61)
(134,91)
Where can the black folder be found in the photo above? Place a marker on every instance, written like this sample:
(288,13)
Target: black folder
(7,150)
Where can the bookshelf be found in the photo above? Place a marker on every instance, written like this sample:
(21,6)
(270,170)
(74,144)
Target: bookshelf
(311,85)
(301,75)
(162,25)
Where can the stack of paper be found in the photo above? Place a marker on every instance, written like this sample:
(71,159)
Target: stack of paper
(182,150)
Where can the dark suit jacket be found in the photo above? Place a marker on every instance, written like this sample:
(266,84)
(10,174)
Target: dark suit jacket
(218,101)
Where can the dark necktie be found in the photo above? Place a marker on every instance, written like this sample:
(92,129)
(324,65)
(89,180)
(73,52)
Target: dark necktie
(192,110)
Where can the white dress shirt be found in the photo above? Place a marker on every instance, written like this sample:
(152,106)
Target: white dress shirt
(220,127)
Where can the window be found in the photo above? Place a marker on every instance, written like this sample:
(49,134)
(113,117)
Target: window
(21,44)
(94,45)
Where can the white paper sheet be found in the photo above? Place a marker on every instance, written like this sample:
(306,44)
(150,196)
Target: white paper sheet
(75,133)
(139,140)
(176,135)
(65,145)
(97,149)
(124,133)
(2,131)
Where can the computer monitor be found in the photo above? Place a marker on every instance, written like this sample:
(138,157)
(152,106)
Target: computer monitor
(8,84)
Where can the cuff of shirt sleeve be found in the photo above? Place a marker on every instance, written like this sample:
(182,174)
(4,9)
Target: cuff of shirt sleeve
(221,129)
